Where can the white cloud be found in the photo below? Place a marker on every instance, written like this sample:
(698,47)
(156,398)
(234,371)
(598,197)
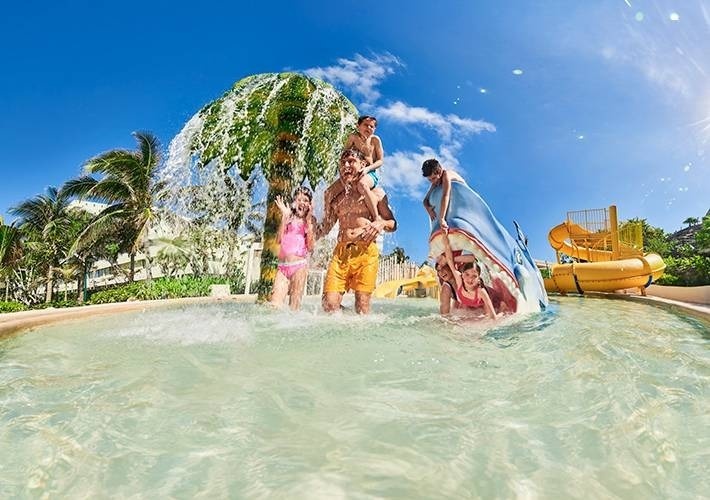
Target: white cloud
(445,126)
(402,172)
(360,75)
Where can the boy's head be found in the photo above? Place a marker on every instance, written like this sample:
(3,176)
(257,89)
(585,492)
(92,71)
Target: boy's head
(367,117)
(430,167)
(444,272)
(366,125)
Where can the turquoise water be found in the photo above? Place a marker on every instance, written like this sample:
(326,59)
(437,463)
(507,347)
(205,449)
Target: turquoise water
(591,399)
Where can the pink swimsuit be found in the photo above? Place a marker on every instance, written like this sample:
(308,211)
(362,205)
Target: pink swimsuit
(468,302)
(293,242)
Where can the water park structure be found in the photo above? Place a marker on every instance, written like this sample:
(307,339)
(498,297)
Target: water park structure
(597,254)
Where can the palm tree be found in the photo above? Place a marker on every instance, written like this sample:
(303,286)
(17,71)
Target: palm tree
(691,221)
(10,252)
(290,125)
(130,189)
(399,255)
(45,220)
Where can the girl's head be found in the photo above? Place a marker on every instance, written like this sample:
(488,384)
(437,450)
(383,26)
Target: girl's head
(301,204)
(443,271)
(471,275)
(432,170)
(366,125)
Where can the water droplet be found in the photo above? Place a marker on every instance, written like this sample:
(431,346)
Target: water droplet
(517,72)
(482,90)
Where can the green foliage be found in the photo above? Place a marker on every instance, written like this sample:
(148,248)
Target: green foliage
(399,255)
(46,224)
(686,265)
(702,238)
(247,124)
(691,221)
(163,288)
(8,307)
(57,304)
(130,188)
(686,271)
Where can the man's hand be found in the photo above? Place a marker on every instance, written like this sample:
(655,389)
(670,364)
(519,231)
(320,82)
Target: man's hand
(373,230)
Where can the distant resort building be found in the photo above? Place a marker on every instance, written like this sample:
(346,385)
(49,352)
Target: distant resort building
(105,273)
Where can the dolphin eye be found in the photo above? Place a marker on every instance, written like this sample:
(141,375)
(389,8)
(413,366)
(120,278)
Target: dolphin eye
(518,257)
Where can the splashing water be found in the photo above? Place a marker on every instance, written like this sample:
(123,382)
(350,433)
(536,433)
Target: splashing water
(592,398)
(234,138)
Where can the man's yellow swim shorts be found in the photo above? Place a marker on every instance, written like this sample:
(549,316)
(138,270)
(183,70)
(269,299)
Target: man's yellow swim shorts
(353,267)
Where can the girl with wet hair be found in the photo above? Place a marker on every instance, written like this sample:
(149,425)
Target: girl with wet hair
(470,291)
(296,236)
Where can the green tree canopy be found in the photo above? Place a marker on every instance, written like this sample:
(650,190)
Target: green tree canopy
(130,188)
(289,126)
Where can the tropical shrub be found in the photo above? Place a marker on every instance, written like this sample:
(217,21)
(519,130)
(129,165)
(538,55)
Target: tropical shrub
(686,271)
(8,307)
(164,288)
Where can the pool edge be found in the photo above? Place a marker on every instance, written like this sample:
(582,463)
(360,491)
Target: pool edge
(17,322)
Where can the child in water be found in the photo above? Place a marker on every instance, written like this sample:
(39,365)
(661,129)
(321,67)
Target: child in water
(297,238)
(365,141)
(470,292)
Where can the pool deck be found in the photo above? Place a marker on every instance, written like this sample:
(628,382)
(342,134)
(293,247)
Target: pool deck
(19,321)
(700,311)
(24,320)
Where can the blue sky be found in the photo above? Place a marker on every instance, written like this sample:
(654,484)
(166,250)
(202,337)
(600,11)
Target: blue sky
(543,107)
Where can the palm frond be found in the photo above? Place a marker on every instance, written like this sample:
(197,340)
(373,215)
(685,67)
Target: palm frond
(80,186)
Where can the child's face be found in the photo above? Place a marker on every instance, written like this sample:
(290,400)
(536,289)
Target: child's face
(435,176)
(367,127)
(444,272)
(301,205)
(470,277)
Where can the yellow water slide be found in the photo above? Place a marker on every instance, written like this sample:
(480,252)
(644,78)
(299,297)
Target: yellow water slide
(603,262)
(425,278)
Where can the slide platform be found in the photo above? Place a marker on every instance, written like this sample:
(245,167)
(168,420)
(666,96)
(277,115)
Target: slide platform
(425,278)
(600,273)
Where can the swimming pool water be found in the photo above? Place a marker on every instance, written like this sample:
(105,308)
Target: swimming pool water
(593,398)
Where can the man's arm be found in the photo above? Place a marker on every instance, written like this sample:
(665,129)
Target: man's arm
(328,222)
(383,208)
(386,222)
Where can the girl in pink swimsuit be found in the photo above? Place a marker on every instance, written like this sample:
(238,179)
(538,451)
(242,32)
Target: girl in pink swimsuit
(297,238)
(470,292)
